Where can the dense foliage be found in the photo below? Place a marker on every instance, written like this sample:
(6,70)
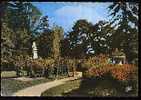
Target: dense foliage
(43,67)
(124,16)
(87,47)
(80,49)
(18,22)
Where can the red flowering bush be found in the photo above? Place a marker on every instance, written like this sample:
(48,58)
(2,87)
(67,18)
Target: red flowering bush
(124,72)
(99,71)
(103,60)
(119,72)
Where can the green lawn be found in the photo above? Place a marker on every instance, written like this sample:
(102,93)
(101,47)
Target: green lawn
(60,90)
(90,87)
(9,86)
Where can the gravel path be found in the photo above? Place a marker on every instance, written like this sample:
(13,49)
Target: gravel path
(38,89)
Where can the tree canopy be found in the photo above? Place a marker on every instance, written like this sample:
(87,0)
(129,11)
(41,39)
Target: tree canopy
(22,23)
(125,18)
(18,19)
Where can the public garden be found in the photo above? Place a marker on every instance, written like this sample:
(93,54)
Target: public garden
(89,60)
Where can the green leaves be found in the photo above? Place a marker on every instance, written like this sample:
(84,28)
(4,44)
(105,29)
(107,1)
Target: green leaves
(49,40)
(125,16)
(86,37)
(57,36)
(16,26)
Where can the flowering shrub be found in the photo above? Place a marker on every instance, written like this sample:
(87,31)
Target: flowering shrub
(99,71)
(124,72)
(86,64)
(119,72)
(92,67)
(20,63)
(94,62)
(90,62)
(39,65)
(71,63)
(103,59)
(63,65)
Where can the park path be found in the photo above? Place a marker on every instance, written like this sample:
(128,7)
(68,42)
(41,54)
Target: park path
(38,89)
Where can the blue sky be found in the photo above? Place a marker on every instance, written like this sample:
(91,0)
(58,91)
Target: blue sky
(65,14)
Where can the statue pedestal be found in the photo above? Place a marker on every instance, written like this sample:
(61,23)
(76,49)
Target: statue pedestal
(35,54)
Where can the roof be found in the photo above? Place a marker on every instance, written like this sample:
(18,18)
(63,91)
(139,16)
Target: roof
(118,53)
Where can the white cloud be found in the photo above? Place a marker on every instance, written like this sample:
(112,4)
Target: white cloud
(66,13)
(70,13)
(90,4)
(79,12)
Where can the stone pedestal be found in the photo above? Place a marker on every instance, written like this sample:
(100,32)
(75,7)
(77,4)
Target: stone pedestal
(35,51)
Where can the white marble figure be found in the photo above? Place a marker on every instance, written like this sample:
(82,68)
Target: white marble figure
(35,54)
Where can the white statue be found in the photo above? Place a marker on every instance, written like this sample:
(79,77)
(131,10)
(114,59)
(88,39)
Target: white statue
(35,55)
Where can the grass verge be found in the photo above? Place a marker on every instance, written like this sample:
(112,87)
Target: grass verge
(61,89)
(10,86)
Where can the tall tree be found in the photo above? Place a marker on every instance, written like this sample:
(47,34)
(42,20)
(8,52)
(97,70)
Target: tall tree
(44,37)
(57,37)
(65,47)
(44,44)
(125,18)
(101,37)
(6,43)
(78,37)
(49,40)
(42,26)
(88,39)
(17,18)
